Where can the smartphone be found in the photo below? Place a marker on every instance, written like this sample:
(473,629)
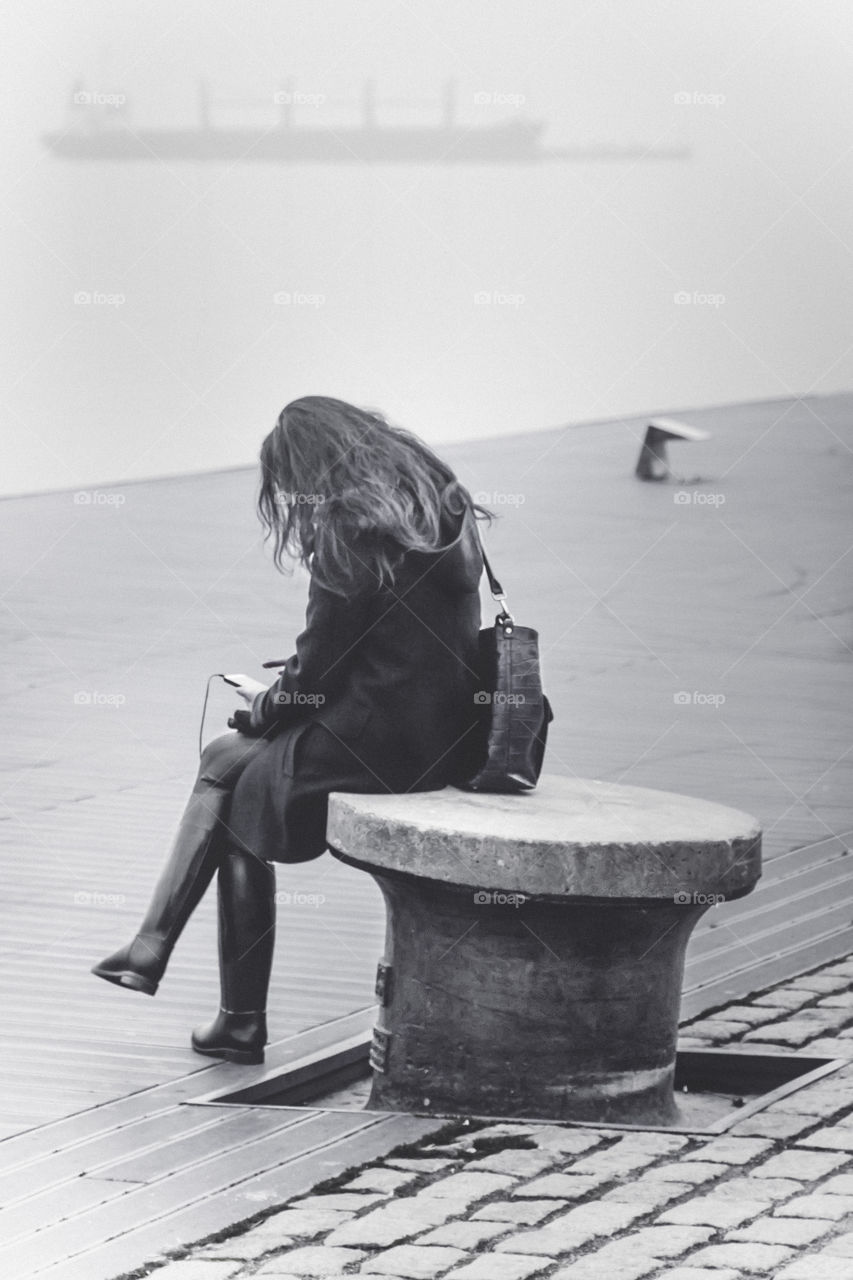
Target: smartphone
(236,679)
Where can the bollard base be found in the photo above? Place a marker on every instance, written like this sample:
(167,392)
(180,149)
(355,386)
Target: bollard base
(565,1010)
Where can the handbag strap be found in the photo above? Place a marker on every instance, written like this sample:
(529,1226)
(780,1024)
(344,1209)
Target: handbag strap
(494,586)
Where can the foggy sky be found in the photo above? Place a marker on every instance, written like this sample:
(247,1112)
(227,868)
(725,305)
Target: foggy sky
(191,370)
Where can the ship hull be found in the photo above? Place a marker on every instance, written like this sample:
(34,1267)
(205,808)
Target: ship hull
(512,142)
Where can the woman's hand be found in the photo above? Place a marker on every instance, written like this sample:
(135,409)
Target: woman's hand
(246,687)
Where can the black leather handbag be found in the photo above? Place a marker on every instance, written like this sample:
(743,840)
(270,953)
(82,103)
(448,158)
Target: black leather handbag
(513,712)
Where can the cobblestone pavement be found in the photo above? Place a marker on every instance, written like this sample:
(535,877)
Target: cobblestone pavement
(770,1197)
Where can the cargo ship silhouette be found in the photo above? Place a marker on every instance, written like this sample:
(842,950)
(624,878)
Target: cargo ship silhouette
(99,129)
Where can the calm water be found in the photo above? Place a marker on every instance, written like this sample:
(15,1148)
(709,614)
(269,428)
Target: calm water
(156,318)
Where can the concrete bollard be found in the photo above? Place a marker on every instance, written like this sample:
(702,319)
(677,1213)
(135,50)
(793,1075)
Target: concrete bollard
(535,943)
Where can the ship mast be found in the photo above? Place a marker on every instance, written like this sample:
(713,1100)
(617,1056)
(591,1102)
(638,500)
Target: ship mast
(203,105)
(368,104)
(285,115)
(448,104)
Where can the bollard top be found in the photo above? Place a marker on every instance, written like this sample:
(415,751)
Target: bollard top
(571,837)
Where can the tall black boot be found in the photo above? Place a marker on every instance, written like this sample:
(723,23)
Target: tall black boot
(186,875)
(246,944)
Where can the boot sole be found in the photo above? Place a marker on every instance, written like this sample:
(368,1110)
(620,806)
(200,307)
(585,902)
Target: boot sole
(127,978)
(243,1057)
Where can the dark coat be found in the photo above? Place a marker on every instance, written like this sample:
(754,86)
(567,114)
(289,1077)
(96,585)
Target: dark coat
(379,696)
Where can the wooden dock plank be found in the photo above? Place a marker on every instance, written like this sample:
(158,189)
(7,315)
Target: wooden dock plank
(40,1144)
(239,1202)
(268,1135)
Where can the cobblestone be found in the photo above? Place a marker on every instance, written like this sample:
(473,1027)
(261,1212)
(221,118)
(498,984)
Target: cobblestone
(840,1246)
(507,1129)
(773,1124)
(817,1266)
(714,1211)
(699,1273)
(197,1269)
(311,1260)
(389,1224)
(656,1194)
(754,1259)
(716,1030)
(376,1179)
(793,1231)
(726,1150)
(653,1144)
(793,1033)
(836,1137)
(304,1224)
(342,1201)
(465,1189)
(415,1262)
(833,1208)
(820,982)
(840,1184)
(668,1242)
(785,999)
(625,1158)
(691,1171)
(434,1164)
(751,1014)
(466,1235)
(247,1247)
(817,1100)
(567,1141)
(840,1047)
(591,1268)
(523,1212)
(504,1266)
(798,1163)
(520,1164)
(829,1016)
(562,1186)
(579,1226)
(747,1188)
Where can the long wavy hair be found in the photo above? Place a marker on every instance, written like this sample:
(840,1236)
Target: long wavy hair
(347,494)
